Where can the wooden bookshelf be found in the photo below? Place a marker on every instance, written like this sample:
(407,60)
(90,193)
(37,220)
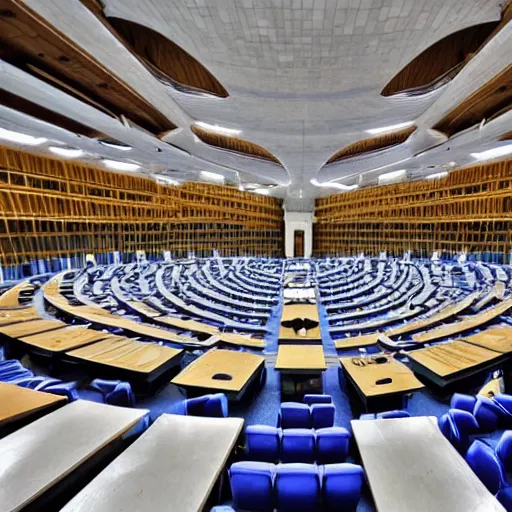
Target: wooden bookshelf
(469,210)
(53,208)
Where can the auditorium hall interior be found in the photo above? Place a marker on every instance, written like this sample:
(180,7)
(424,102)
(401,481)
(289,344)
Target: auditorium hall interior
(256,255)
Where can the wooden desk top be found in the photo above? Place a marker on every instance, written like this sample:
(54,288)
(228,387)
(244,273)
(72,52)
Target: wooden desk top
(240,365)
(366,377)
(36,457)
(449,358)
(67,338)
(444,314)
(144,309)
(292,311)
(470,322)
(172,466)
(357,341)
(128,354)
(300,357)
(17,402)
(14,316)
(411,466)
(10,298)
(497,338)
(22,329)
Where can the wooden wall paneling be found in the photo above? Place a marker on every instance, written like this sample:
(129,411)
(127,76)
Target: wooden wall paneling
(74,209)
(467,211)
(30,43)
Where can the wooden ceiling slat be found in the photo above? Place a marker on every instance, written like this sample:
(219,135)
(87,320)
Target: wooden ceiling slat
(29,42)
(234,144)
(369,145)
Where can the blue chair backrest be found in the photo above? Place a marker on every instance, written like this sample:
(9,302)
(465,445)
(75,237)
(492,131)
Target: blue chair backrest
(484,462)
(392,414)
(294,415)
(317,399)
(322,415)
(216,406)
(195,406)
(332,444)
(504,450)
(463,402)
(252,486)
(297,488)
(263,442)
(487,413)
(341,487)
(298,445)
(457,426)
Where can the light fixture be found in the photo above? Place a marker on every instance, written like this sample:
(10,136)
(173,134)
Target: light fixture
(166,180)
(262,191)
(115,145)
(120,166)
(339,186)
(212,176)
(392,176)
(493,153)
(66,152)
(218,129)
(384,129)
(437,175)
(300,194)
(20,138)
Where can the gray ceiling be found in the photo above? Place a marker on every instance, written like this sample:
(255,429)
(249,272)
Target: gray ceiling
(303,76)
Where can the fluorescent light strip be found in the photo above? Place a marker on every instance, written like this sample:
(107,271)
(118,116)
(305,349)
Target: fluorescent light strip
(384,129)
(21,138)
(66,152)
(393,175)
(493,153)
(262,191)
(212,176)
(339,186)
(115,146)
(437,175)
(120,166)
(218,129)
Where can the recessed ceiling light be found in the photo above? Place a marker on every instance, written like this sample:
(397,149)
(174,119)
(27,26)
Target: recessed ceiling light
(391,176)
(115,145)
(120,166)
(20,138)
(339,186)
(262,191)
(166,179)
(437,175)
(218,129)
(493,153)
(384,129)
(212,176)
(66,152)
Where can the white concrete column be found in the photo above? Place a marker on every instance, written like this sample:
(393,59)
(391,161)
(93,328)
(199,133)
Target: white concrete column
(302,221)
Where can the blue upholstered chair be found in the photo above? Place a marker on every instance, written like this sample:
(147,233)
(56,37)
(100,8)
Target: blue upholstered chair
(392,414)
(322,415)
(483,461)
(263,442)
(67,389)
(317,399)
(294,415)
(30,382)
(297,488)
(457,426)
(504,450)
(341,487)
(367,416)
(215,406)
(488,414)
(115,392)
(332,445)
(463,402)
(252,486)
(298,445)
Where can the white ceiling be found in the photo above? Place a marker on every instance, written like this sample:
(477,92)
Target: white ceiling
(303,76)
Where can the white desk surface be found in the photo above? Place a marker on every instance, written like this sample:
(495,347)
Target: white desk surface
(411,466)
(38,456)
(172,466)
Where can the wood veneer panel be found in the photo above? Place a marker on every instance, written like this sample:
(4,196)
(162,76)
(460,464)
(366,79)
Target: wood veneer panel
(28,41)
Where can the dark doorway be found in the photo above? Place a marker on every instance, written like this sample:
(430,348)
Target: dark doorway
(298,243)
